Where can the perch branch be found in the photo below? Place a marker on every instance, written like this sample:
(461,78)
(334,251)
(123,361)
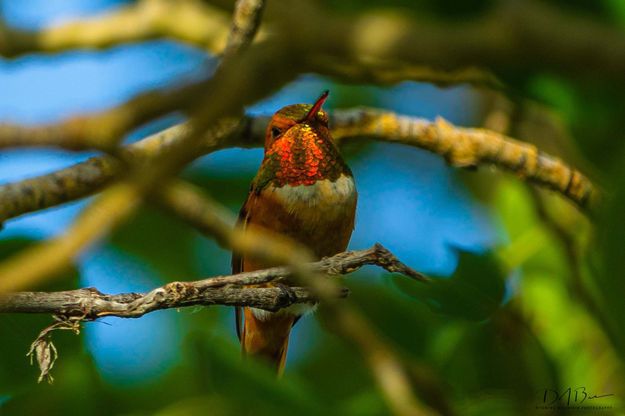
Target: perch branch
(221,290)
(90,304)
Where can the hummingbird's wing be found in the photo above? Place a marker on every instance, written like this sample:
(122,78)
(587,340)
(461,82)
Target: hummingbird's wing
(237,261)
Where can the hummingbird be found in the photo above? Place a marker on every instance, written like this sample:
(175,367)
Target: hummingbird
(303,190)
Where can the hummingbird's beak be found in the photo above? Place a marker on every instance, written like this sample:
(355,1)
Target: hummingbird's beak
(317,106)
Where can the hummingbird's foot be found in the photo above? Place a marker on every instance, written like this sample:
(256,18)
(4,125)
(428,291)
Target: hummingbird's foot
(287,295)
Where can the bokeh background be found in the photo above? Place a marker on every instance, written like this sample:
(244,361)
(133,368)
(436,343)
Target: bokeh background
(498,339)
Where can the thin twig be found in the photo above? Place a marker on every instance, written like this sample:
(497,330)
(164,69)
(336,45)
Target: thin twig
(43,349)
(245,23)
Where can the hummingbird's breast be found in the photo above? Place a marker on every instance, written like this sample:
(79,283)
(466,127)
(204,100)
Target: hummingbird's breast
(320,216)
(326,200)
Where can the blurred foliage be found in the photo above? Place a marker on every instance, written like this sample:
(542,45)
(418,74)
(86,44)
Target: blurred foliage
(17,377)
(609,284)
(475,291)
(447,9)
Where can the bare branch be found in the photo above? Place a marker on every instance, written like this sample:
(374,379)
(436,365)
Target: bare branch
(102,130)
(220,290)
(461,147)
(245,23)
(515,36)
(91,304)
(391,72)
(90,176)
(472,147)
(191,21)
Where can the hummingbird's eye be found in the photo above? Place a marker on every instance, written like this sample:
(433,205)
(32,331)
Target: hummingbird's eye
(275,132)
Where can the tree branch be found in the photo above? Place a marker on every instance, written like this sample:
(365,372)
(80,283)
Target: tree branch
(221,290)
(190,21)
(473,147)
(461,147)
(511,37)
(105,129)
(245,23)
(90,304)
(516,36)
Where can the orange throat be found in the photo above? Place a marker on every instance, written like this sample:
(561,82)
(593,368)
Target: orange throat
(302,156)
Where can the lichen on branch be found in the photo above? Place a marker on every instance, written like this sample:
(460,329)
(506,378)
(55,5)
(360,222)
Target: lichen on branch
(461,147)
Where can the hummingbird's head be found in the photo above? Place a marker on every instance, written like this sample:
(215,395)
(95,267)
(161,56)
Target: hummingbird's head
(297,118)
(298,147)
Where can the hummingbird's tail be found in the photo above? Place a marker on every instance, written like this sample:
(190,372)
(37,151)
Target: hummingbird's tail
(266,335)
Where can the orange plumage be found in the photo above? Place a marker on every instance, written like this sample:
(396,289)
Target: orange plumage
(305,191)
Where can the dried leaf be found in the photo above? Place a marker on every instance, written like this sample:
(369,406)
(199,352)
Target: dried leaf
(43,349)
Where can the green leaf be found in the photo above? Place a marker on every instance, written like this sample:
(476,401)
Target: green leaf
(608,279)
(475,291)
(247,386)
